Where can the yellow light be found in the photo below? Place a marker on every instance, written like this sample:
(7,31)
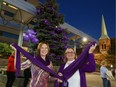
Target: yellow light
(84,39)
(12,7)
(4,3)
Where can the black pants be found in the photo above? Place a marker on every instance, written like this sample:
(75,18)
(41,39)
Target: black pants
(10,79)
(27,76)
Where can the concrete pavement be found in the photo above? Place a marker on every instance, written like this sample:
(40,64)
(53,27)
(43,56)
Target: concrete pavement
(93,80)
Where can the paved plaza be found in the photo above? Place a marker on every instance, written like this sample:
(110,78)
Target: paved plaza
(93,80)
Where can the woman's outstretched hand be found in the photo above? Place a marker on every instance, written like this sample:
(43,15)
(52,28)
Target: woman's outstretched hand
(92,48)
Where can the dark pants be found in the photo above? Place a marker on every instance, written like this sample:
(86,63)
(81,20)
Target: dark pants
(109,84)
(106,83)
(10,79)
(27,76)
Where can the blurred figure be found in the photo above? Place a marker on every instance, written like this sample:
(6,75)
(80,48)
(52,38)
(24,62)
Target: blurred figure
(103,71)
(27,76)
(10,71)
(113,71)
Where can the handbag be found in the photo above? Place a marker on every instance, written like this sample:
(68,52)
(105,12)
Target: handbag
(109,75)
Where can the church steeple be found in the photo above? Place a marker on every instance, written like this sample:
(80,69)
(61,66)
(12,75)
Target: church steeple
(104,40)
(104,33)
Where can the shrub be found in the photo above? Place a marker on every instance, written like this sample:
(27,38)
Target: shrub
(5,49)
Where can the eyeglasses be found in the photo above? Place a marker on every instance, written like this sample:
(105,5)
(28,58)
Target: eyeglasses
(69,52)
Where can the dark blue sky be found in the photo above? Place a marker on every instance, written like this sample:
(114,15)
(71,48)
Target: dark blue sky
(86,15)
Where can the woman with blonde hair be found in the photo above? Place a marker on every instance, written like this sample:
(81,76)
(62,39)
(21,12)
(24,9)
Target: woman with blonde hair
(73,70)
(39,77)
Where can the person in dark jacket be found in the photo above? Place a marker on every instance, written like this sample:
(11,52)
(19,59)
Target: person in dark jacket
(10,71)
(27,76)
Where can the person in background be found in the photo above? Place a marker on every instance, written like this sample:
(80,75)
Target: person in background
(103,70)
(26,72)
(10,71)
(27,76)
(113,71)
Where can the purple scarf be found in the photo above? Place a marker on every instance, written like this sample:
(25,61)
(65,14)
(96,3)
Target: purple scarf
(73,67)
(45,62)
(67,72)
(32,59)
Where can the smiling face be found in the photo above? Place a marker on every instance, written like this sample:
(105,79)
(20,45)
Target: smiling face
(70,54)
(43,49)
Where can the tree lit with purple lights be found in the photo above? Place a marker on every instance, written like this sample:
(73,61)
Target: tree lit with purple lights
(48,29)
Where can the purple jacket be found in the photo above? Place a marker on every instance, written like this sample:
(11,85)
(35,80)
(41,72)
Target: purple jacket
(89,66)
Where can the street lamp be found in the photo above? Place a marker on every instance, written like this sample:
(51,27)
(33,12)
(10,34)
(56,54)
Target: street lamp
(18,11)
(84,39)
(111,66)
(83,42)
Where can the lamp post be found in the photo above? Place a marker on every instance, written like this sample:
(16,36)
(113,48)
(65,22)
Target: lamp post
(20,40)
(75,47)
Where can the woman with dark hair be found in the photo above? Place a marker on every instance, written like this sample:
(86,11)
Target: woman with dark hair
(39,77)
(10,71)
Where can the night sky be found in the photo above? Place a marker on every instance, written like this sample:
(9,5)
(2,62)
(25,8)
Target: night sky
(86,15)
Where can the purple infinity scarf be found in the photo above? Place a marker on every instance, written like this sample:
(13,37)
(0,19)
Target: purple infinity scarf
(67,72)
(32,59)
(46,62)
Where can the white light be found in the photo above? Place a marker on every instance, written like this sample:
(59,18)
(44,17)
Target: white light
(111,66)
(84,39)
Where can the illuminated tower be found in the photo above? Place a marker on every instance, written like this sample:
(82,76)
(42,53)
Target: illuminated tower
(104,40)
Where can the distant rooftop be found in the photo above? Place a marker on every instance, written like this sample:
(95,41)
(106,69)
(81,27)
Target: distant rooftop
(77,31)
